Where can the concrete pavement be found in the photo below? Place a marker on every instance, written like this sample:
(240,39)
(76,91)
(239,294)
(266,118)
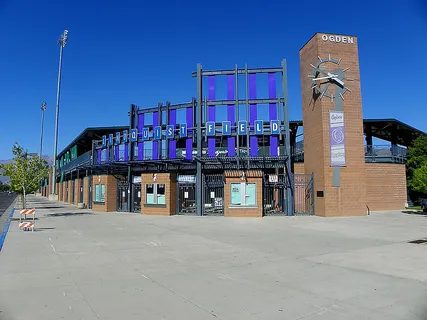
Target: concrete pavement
(79,264)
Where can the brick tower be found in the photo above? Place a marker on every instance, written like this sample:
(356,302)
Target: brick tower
(333,124)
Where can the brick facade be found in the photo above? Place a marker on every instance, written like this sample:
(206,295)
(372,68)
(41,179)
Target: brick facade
(77,191)
(250,177)
(299,168)
(59,190)
(86,191)
(169,180)
(110,196)
(385,186)
(70,191)
(348,199)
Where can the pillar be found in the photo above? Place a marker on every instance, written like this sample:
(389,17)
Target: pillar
(76,191)
(108,184)
(86,191)
(236,180)
(164,204)
(339,182)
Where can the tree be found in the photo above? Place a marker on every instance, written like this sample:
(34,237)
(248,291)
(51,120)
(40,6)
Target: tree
(419,179)
(4,187)
(25,171)
(416,161)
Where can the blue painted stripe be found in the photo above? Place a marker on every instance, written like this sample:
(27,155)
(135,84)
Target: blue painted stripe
(6,229)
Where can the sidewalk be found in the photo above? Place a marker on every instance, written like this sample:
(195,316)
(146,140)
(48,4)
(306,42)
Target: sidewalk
(80,264)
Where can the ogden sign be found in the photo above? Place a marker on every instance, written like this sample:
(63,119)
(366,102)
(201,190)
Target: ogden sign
(339,39)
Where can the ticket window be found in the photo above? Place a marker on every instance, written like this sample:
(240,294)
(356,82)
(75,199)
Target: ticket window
(155,194)
(243,194)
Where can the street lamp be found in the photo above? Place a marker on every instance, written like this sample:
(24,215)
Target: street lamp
(43,107)
(61,42)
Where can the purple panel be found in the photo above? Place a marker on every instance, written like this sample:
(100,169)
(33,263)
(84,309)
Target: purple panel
(274,142)
(140,144)
(99,156)
(253,140)
(107,155)
(211,114)
(126,152)
(172,142)
(116,153)
(230,115)
(189,141)
(155,154)
(337,138)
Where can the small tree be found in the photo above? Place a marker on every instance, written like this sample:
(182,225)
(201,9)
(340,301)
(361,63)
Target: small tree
(416,160)
(419,179)
(25,171)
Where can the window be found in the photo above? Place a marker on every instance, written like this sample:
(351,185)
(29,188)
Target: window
(243,194)
(155,194)
(100,193)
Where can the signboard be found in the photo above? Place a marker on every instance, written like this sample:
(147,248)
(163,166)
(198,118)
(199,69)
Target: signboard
(133,135)
(170,131)
(210,128)
(145,134)
(125,136)
(226,128)
(259,127)
(337,138)
(242,127)
(183,130)
(117,137)
(186,178)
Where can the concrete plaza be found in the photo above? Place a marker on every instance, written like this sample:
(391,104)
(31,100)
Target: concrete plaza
(78,264)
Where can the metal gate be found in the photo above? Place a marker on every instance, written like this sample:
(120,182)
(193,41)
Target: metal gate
(213,204)
(274,194)
(81,191)
(136,196)
(122,195)
(73,191)
(304,194)
(89,204)
(186,195)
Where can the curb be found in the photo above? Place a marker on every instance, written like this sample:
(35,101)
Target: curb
(6,229)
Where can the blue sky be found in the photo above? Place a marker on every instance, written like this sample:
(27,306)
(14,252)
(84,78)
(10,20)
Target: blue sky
(143,52)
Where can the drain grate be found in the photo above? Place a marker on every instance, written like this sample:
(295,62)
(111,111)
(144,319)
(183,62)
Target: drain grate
(419,241)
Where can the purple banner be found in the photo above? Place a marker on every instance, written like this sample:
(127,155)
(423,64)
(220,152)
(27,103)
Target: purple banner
(274,141)
(337,138)
(230,115)
(253,140)
(116,153)
(211,114)
(140,144)
(99,156)
(172,142)
(189,141)
(126,152)
(155,155)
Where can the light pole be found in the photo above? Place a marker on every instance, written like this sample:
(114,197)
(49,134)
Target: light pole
(62,42)
(43,107)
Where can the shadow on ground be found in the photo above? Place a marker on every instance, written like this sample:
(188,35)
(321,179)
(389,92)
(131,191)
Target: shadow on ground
(69,214)
(419,212)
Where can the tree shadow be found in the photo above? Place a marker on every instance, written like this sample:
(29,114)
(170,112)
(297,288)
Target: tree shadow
(415,212)
(43,229)
(68,214)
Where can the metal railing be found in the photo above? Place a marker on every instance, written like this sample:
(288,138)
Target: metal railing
(373,153)
(84,159)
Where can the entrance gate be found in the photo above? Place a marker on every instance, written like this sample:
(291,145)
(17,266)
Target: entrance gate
(122,195)
(274,194)
(213,195)
(304,194)
(136,196)
(73,191)
(81,191)
(186,194)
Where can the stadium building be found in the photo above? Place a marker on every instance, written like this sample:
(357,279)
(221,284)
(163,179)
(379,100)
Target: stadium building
(231,149)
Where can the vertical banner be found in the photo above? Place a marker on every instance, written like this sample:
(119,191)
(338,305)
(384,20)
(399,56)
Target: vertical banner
(172,143)
(156,122)
(337,138)
(211,115)
(272,108)
(231,114)
(140,144)
(253,140)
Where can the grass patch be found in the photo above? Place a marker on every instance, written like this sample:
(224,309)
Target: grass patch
(415,208)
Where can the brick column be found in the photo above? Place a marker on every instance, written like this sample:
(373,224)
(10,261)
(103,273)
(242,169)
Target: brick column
(76,191)
(70,191)
(348,198)
(169,180)
(60,191)
(110,195)
(50,181)
(243,211)
(86,191)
